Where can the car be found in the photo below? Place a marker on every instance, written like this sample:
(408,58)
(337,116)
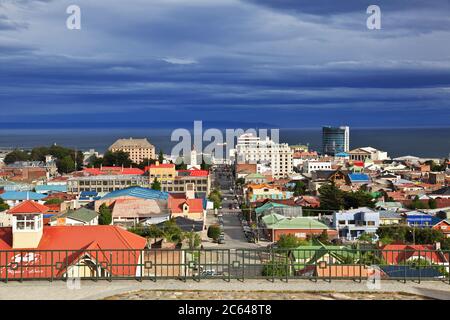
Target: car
(209,273)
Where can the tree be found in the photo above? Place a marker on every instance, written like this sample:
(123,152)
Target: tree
(299,188)
(154,232)
(3,205)
(161,156)
(156,185)
(105,217)
(66,164)
(181,166)
(417,204)
(288,241)
(216,197)
(172,232)
(240,181)
(193,238)
(16,155)
(214,232)
(331,197)
(358,199)
(118,158)
(54,201)
(432,203)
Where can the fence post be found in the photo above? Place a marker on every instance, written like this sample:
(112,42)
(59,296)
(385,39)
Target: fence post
(229,265)
(273,265)
(21,266)
(51,267)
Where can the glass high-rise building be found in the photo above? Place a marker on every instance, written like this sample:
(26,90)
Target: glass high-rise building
(335,140)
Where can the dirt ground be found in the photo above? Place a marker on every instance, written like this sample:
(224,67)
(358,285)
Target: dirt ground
(262,295)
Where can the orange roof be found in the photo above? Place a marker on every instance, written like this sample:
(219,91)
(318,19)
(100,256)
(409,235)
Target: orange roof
(75,242)
(176,205)
(112,170)
(396,253)
(262,186)
(160,166)
(28,206)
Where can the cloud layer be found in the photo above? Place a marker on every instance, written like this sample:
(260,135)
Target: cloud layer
(290,63)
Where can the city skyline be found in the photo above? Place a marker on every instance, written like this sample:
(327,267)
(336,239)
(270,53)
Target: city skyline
(289,64)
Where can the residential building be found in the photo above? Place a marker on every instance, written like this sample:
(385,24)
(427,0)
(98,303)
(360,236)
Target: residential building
(192,209)
(277,156)
(138,149)
(353,223)
(367,154)
(244,169)
(13,198)
(390,218)
(72,249)
(197,182)
(419,219)
(310,166)
(335,140)
(259,192)
(128,212)
(274,225)
(255,178)
(443,226)
(79,217)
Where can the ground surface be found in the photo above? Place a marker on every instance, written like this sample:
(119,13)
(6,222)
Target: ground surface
(88,290)
(261,295)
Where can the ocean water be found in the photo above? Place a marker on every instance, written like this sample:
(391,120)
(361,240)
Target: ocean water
(423,142)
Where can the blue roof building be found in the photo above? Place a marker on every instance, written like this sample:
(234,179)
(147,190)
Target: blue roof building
(21,196)
(50,188)
(419,219)
(138,192)
(359,178)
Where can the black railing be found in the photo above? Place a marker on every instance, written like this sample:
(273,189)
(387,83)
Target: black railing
(318,263)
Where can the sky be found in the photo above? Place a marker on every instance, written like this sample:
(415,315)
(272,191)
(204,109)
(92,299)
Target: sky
(284,63)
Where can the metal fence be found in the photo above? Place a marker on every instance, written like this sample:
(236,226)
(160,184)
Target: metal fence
(241,264)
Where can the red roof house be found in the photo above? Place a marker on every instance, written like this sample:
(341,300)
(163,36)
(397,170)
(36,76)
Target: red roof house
(31,250)
(399,253)
(189,208)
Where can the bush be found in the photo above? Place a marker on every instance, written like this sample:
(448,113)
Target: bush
(214,232)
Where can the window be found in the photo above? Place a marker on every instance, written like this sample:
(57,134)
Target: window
(26,222)
(341,221)
(370,223)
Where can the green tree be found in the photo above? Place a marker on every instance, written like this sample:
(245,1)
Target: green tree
(216,197)
(118,158)
(172,232)
(105,215)
(240,181)
(66,164)
(441,215)
(156,185)
(288,241)
(432,203)
(16,155)
(358,199)
(193,238)
(299,188)
(181,166)
(155,232)
(214,232)
(417,204)
(331,197)
(161,156)
(54,201)
(3,205)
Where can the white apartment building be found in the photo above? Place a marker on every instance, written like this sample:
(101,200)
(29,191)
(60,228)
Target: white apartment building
(310,166)
(278,156)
